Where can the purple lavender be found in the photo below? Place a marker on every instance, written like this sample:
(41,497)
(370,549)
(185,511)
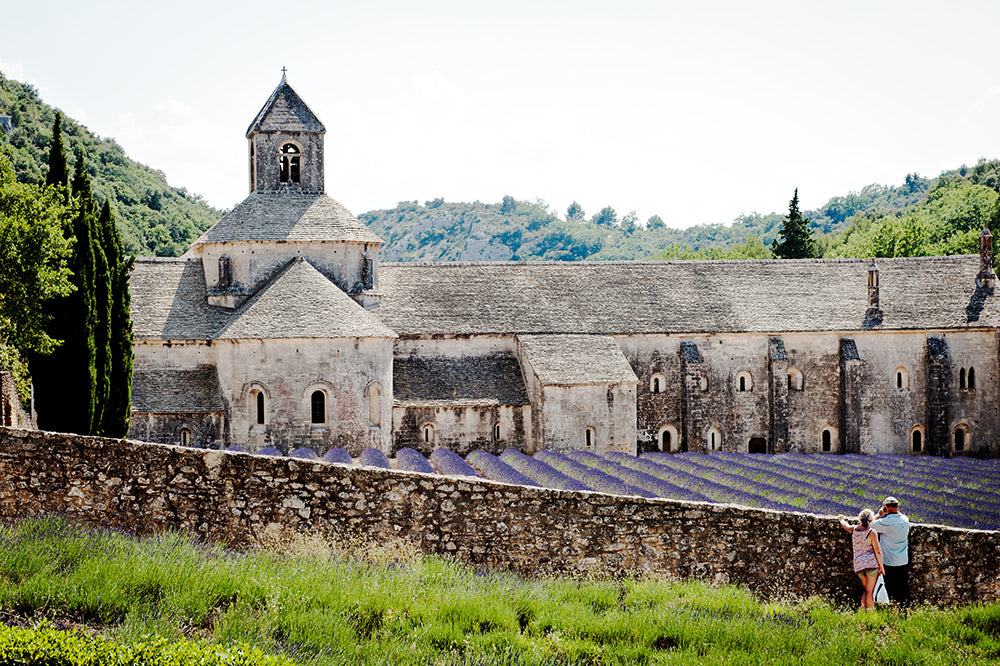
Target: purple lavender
(373,458)
(449,463)
(412,461)
(538,471)
(337,455)
(270,451)
(493,468)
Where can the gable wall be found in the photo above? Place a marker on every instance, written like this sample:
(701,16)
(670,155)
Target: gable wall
(288,371)
(253,263)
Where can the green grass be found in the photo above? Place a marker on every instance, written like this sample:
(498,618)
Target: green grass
(322,602)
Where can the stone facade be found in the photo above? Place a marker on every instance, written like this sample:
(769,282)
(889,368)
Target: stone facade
(238,499)
(315,342)
(12,413)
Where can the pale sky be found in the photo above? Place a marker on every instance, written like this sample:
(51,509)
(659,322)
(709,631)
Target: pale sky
(696,111)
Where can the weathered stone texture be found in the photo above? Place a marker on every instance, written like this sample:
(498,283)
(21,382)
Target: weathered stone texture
(238,498)
(11,412)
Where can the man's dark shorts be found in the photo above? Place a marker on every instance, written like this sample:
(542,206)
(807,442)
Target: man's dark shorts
(897,584)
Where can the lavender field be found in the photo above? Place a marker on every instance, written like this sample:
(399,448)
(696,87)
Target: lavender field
(960,492)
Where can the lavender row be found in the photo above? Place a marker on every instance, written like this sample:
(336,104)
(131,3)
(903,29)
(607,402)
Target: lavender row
(538,471)
(593,478)
(446,461)
(491,467)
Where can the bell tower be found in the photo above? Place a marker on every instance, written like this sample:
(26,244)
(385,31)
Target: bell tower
(286,145)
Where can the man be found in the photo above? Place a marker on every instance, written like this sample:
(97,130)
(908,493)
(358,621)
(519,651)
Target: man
(893,530)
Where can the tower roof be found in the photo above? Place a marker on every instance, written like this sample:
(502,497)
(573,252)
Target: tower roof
(285,111)
(289,217)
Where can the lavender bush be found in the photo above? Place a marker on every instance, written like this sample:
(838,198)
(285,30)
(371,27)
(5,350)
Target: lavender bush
(304,452)
(493,468)
(270,451)
(374,458)
(412,461)
(337,455)
(449,463)
(539,472)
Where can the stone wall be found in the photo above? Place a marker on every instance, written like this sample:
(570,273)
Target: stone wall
(11,411)
(238,498)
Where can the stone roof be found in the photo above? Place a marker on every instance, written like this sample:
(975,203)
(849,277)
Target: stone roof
(169,303)
(300,302)
(575,360)
(183,391)
(458,382)
(288,216)
(285,111)
(620,298)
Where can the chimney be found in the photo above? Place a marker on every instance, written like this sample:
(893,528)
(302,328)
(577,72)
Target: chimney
(986,278)
(874,311)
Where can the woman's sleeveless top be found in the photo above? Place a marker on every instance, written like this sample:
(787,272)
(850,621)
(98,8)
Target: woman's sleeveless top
(864,553)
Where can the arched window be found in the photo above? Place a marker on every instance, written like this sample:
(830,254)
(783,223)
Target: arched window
(497,431)
(744,382)
(917,439)
(185,437)
(971,380)
(961,438)
(795,379)
(667,439)
(657,383)
(375,403)
(290,163)
(703,382)
(902,379)
(318,407)
(713,439)
(428,433)
(961,379)
(829,441)
(258,402)
(591,437)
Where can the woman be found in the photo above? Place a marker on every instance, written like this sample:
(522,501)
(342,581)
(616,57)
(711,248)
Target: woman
(867,555)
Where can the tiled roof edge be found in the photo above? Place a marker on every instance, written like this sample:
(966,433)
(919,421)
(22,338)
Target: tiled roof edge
(675,262)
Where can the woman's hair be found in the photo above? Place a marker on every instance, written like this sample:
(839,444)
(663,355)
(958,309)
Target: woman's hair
(866,516)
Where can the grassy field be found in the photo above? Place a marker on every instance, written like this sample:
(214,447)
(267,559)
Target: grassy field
(319,602)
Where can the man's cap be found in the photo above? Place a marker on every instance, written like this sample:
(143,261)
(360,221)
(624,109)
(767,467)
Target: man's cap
(890,501)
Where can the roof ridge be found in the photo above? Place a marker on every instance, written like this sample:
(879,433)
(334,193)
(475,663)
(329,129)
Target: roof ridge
(676,262)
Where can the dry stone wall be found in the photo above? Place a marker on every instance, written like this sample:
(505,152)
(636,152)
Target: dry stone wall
(240,498)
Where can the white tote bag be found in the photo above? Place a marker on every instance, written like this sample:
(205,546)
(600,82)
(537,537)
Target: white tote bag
(881,596)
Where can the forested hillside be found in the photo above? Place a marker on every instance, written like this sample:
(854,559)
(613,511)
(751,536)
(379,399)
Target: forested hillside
(921,216)
(153,217)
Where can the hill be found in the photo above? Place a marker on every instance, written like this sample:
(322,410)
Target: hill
(154,218)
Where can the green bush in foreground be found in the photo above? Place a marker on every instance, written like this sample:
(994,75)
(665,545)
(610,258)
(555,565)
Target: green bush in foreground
(47,646)
(318,601)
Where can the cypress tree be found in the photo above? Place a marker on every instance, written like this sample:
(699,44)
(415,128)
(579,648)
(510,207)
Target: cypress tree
(797,240)
(58,172)
(65,381)
(102,296)
(117,407)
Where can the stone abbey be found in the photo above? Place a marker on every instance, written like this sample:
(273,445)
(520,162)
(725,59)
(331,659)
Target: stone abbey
(280,327)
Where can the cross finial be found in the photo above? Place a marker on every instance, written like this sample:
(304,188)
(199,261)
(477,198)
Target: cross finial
(283,71)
